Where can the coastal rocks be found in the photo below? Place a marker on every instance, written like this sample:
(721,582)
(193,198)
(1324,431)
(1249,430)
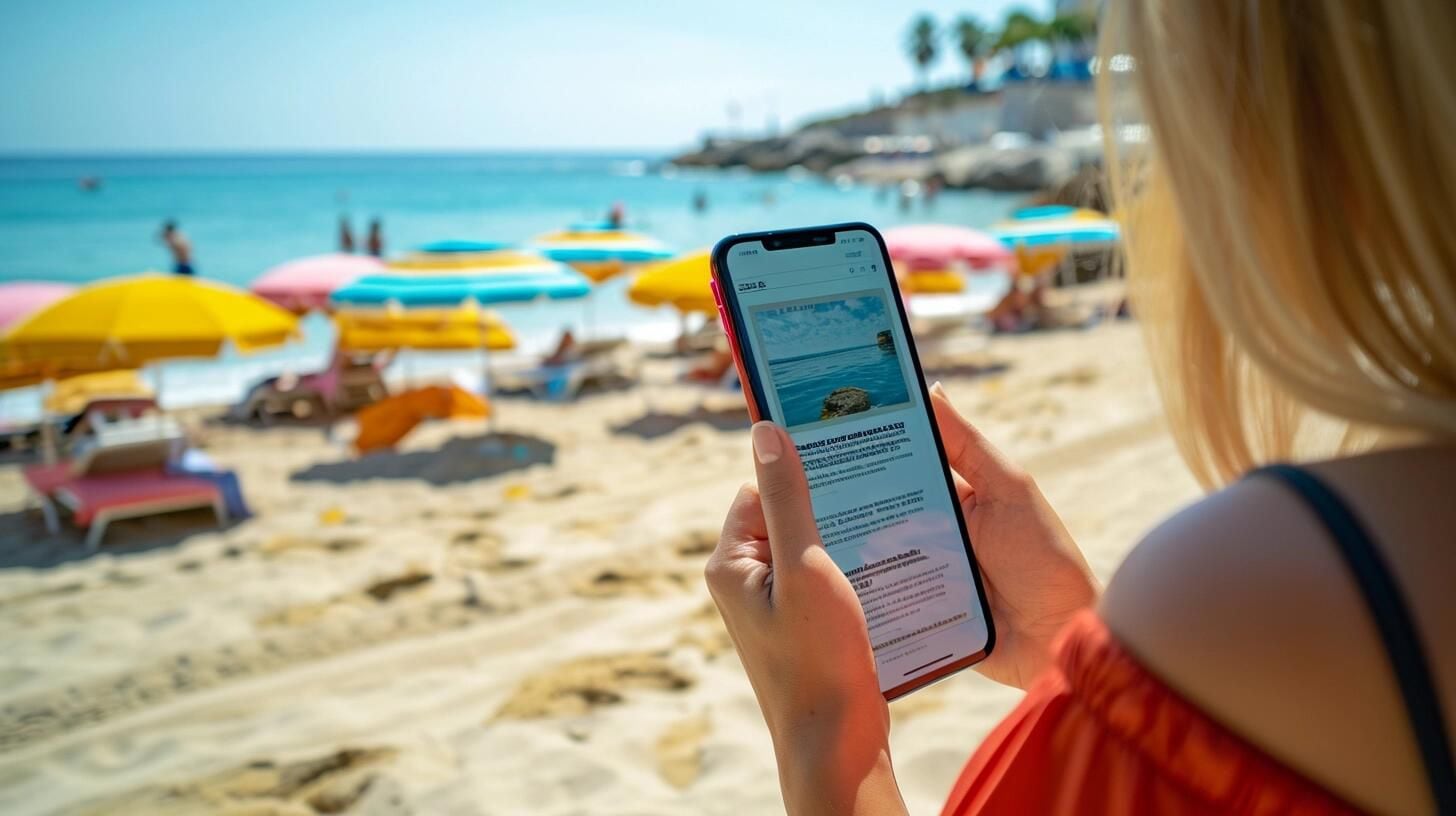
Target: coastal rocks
(816,152)
(845,401)
(886,341)
(1012,170)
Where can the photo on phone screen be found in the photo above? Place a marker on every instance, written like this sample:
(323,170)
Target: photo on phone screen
(828,355)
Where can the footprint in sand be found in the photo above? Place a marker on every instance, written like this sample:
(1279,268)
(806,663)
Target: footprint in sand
(1082,376)
(286,543)
(378,592)
(615,582)
(481,551)
(679,750)
(695,543)
(578,686)
(704,630)
(333,783)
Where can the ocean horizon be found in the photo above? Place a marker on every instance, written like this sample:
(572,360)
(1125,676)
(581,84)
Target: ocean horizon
(248,211)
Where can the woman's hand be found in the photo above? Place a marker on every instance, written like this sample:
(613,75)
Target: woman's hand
(800,632)
(1035,576)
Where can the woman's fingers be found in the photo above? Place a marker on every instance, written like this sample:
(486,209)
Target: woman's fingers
(784,495)
(738,569)
(970,454)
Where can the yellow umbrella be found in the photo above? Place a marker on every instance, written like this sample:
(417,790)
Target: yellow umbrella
(681,283)
(933,282)
(127,322)
(72,394)
(464,329)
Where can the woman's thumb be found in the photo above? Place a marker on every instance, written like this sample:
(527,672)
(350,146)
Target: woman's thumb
(784,492)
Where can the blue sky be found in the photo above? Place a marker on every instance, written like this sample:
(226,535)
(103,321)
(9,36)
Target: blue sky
(792,331)
(164,75)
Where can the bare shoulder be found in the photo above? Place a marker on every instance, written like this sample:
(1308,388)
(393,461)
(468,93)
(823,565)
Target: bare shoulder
(1242,603)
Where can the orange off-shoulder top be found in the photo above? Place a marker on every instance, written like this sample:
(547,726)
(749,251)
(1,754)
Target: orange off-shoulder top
(1098,733)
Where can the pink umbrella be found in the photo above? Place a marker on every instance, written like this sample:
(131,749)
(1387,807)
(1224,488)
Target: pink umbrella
(22,298)
(937,246)
(306,283)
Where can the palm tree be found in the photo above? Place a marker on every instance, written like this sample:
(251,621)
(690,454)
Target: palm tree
(973,40)
(1071,27)
(1019,29)
(921,43)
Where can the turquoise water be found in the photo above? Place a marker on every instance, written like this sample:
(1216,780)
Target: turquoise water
(803,382)
(246,213)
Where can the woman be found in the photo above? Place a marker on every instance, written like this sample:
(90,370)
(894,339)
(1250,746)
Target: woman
(1293,259)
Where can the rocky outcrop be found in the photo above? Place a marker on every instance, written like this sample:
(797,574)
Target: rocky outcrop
(1021,169)
(845,401)
(815,151)
(885,341)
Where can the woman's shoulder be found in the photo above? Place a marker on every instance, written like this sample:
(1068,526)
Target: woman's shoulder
(1242,604)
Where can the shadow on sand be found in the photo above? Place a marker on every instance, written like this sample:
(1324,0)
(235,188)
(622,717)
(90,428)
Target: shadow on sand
(654,424)
(25,543)
(462,459)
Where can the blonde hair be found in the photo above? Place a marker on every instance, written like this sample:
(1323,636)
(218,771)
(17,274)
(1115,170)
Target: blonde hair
(1291,232)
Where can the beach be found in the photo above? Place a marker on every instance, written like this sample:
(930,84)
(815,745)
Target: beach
(513,623)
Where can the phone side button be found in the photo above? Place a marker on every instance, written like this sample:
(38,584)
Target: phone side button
(723,321)
(717,298)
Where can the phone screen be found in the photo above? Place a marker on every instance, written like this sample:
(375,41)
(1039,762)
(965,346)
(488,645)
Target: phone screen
(825,338)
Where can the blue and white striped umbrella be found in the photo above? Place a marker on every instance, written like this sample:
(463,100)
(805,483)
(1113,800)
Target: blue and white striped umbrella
(486,288)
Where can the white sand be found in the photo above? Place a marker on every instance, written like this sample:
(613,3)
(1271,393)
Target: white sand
(408,633)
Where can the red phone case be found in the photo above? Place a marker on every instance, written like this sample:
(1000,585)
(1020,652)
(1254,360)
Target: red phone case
(737,353)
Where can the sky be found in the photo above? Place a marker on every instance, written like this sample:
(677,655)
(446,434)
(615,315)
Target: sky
(278,75)
(792,331)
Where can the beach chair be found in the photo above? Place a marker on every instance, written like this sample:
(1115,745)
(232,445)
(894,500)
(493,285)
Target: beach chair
(122,475)
(347,385)
(593,363)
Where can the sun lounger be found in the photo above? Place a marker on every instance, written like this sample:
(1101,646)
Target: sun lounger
(121,476)
(592,363)
(344,387)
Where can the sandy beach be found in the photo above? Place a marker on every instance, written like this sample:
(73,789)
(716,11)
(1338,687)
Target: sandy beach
(495,625)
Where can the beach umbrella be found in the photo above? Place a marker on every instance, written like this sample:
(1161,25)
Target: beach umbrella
(130,321)
(437,288)
(19,299)
(681,283)
(932,282)
(455,246)
(932,247)
(462,329)
(600,254)
(494,278)
(305,284)
(1042,236)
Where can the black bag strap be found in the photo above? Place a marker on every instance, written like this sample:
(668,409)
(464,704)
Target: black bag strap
(1397,628)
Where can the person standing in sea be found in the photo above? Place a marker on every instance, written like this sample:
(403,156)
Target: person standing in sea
(346,235)
(180,247)
(375,242)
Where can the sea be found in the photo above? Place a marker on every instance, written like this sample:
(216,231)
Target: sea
(246,213)
(804,381)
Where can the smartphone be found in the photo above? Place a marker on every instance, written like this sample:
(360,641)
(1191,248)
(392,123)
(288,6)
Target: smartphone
(823,348)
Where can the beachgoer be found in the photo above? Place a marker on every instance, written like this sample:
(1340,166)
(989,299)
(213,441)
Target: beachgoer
(565,351)
(180,247)
(700,201)
(1287,644)
(346,235)
(375,242)
(711,368)
(617,215)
